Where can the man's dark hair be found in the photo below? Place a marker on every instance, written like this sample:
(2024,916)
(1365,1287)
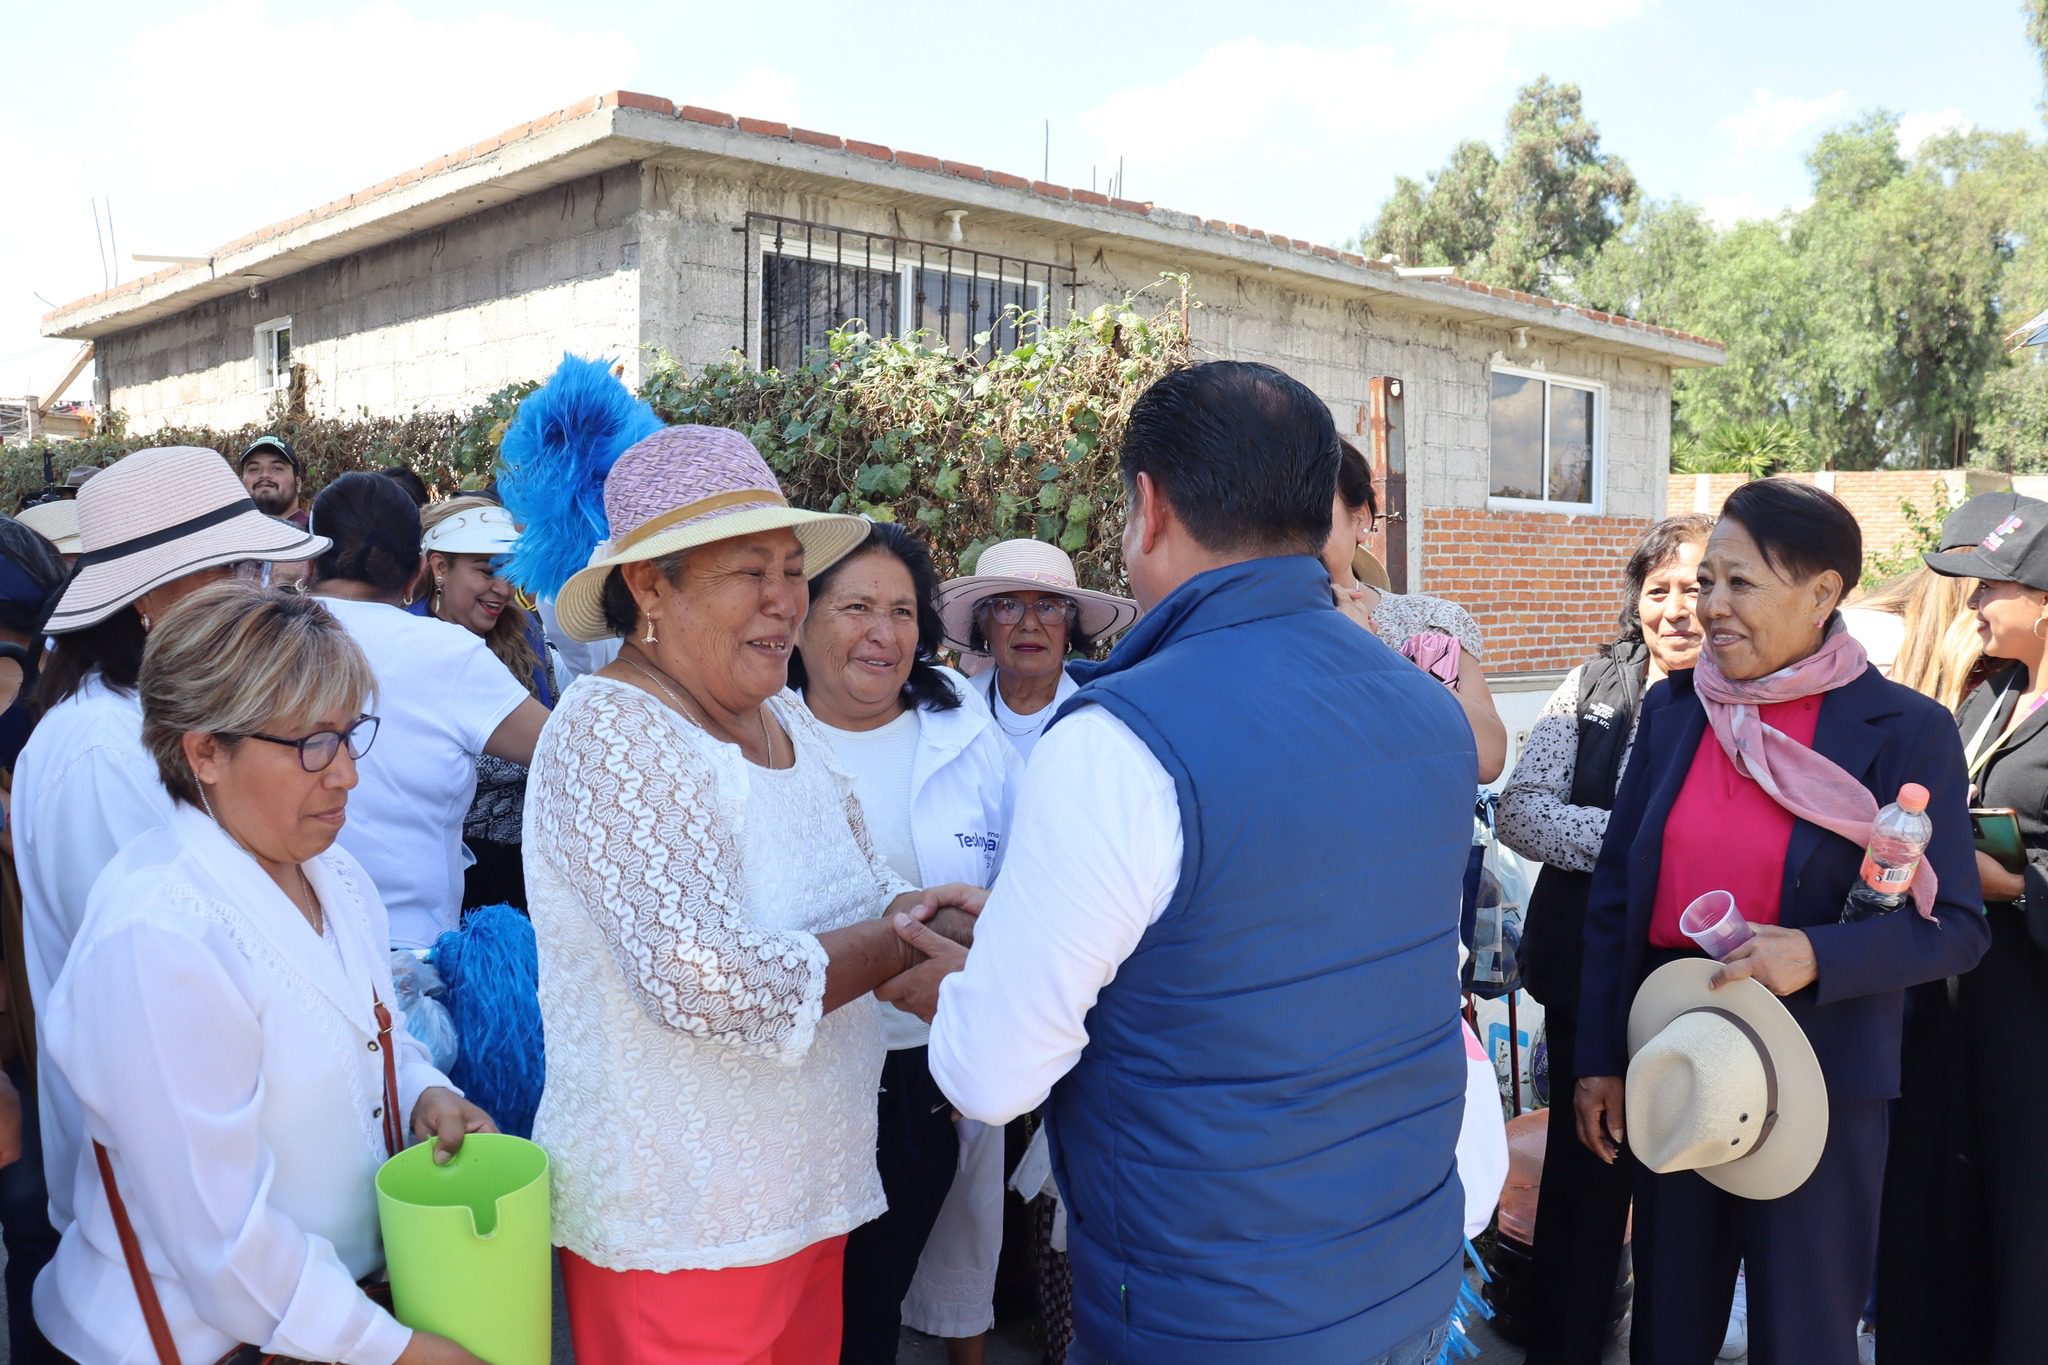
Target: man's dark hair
(1246,456)
(926,689)
(415,487)
(1658,547)
(1802,531)
(375,529)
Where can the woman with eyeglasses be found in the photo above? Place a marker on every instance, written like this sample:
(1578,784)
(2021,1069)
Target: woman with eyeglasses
(446,701)
(466,540)
(1023,607)
(228,1025)
(153,527)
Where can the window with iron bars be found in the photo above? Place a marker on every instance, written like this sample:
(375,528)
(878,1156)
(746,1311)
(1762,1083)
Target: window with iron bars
(804,279)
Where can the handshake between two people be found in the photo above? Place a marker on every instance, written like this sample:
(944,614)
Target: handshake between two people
(936,927)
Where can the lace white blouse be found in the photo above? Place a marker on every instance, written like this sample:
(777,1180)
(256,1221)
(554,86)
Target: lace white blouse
(701,1110)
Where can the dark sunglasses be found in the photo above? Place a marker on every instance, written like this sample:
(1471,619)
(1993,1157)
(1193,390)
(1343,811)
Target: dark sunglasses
(317,750)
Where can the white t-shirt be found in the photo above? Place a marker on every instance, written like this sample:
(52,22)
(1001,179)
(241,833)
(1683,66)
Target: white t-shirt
(441,694)
(1022,732)
(880,761)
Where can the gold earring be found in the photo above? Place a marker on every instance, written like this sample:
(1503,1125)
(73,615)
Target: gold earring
(145,623)
(437,597)
(648,638)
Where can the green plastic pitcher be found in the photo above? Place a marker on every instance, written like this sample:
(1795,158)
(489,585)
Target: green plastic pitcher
(468,1245)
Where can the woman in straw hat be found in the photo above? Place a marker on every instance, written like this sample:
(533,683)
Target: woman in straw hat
(154,527)
(228,1024)
(1023,607)
(708,904)
(466,541)
(1759,774)
(446,700)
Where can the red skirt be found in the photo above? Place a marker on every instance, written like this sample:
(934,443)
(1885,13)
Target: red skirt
(784,1313)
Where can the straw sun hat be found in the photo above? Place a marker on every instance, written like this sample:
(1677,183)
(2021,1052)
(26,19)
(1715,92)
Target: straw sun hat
(55,521)
(684,487)
(1722,1083)
(160,514)
(1027,566)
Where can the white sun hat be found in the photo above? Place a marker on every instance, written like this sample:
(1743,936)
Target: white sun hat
(481,530)
(684,487)
(55,521)
(157,515)
(1722,1083)
(1027,566)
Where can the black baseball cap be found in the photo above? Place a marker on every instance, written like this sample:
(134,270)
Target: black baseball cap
(1967,526)
(276,443)
(2015,550)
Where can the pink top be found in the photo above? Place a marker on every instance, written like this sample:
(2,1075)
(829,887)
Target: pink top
(1725,834)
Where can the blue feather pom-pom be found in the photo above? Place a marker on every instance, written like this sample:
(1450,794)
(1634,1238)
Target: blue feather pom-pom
(492,968)
(552,463)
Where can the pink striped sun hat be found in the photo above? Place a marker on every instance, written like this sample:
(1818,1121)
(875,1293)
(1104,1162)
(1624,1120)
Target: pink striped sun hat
(688,486)
(157,515)
(1028,566)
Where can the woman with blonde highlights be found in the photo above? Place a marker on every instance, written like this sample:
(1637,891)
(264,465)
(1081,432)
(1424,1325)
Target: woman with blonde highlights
(227,1023)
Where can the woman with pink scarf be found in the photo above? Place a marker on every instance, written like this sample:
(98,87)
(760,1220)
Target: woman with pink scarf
(1759,773)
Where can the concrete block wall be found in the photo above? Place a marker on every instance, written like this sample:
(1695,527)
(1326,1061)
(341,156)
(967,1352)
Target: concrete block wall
(435,321)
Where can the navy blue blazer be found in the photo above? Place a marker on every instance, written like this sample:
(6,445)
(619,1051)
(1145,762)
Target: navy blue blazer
(1884,734)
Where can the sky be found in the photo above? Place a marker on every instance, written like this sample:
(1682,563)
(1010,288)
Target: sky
(189,126)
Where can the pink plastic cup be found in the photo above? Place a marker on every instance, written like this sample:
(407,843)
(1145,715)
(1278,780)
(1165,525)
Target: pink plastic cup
(1716,925)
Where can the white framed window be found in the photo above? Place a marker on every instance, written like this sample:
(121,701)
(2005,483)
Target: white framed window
(273,354)
(803,291)
(1547,438)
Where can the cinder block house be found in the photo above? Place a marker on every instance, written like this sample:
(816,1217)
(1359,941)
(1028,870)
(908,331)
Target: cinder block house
(1524,443)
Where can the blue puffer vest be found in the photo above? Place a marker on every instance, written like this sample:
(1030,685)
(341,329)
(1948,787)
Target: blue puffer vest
(1257,1147)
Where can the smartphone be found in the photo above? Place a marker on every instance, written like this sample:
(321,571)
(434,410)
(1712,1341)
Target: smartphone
(1997,833)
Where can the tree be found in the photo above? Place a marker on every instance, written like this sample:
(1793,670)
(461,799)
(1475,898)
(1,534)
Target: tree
(1528,218)
(2037,30)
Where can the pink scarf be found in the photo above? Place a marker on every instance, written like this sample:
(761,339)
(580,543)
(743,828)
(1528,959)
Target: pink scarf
(1804,781)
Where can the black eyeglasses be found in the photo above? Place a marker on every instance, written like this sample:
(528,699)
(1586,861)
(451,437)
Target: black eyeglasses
(317,750)
(1008,611)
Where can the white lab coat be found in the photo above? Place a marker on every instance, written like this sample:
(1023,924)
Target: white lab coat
(963,782)
(221,1050)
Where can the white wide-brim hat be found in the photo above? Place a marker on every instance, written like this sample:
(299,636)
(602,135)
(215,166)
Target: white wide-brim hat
(473,531)
(1722,1083)
(684,487)
(157,515)
(55,521)
(1027,566)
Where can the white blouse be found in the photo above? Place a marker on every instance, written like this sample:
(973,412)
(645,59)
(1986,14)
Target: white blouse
(222,1053)
(1537,818)
(83,788)
(701,1109)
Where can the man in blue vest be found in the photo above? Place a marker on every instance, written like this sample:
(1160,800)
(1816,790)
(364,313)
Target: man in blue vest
(1225,937)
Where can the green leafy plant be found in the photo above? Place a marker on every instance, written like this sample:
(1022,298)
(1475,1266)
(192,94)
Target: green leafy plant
(972,450)
(1923,534)
(1755,449)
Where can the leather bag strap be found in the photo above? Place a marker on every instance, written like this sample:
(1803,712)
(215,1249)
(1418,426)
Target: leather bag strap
(138,1270)
(394,1126)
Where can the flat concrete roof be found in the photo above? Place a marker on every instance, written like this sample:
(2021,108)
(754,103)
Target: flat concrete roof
(623,128)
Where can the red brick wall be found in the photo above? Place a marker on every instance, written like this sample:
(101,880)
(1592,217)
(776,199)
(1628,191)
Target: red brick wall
(1544,588)
(1873,495)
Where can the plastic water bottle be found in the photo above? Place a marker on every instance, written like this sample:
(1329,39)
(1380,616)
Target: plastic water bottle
(1892,860)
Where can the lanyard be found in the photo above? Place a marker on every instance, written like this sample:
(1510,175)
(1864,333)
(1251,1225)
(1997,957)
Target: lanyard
(1979,754)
